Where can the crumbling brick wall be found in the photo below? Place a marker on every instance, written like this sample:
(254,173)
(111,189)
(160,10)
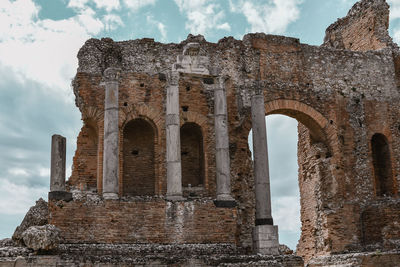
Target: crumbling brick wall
(364,28)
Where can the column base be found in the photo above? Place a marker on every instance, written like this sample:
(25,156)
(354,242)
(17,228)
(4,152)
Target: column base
(225,201)
(60,195)
(110,196)
(225,197)
(266,240)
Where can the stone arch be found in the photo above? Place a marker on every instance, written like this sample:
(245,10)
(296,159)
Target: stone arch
(382,166)
(138,173)
(192,155)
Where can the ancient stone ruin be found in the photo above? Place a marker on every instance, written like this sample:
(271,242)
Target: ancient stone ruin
(163,175)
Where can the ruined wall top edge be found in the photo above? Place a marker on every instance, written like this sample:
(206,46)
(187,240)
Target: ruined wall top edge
(147,56)
(326,67)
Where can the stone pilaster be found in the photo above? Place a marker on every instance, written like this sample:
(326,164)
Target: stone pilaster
(222,145)
(110,154)
(265,234)
(173,142)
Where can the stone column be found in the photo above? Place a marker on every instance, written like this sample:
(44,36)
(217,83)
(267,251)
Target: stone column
(57,169)
(110,152)
(224,197)
(265,234)
(173,142)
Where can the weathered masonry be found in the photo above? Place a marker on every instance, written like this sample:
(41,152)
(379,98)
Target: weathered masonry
(163,147)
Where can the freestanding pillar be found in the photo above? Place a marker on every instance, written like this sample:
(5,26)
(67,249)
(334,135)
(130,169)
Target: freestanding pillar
(265,234)
(110,154)
(224,197)
(173,142)
(57,169)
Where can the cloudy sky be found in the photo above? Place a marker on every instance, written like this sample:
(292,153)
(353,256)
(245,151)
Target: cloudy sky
(39,40)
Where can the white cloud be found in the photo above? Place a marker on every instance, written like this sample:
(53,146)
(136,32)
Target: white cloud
(108,5)
(286,213)
(160,26)
(394,16)
(394,9)
(44,50)
(112,21)
(88,21)
(202,16)
(44,172)
(18,172)
(396,36)
(22,196)
(79,4)
(225,26)
(135,5)
(272,16)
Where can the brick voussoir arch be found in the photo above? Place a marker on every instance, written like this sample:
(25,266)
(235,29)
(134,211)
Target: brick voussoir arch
(93,114)
(315,121)
(197,118)
(281,104)
(144,112)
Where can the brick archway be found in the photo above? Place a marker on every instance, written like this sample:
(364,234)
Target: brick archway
(155,119)
(321,129)
(318,152)
(138,161)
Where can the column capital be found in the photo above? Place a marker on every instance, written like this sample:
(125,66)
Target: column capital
(111,74)
(254,86)
(258,88)
(173,77)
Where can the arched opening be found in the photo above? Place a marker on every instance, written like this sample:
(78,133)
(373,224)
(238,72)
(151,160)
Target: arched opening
(382,165)
(138,158)
(192,155)
(283,168)
(295,185)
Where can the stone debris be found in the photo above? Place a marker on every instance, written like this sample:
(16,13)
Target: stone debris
(46,237)
(285,250)
(37,215)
